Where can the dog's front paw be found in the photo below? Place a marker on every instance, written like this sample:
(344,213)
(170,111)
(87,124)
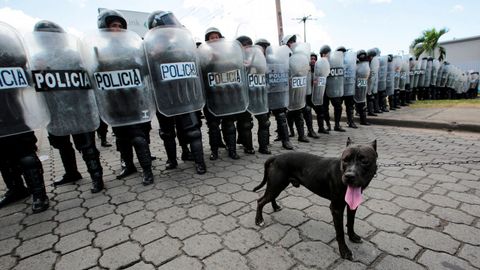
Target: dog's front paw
(259,222)
(345,253)
(355,238)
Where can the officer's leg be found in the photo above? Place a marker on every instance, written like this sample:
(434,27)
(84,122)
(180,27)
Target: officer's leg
(67,155)
(319,112)
(244,127)
(337,109)
(370,105)
(307,116)
(300,124)
(144,157)
(183,141)
(85,143)
(33,173)
(326,111)
(362,111)
(290,122)
(349,104)
(263,133)
(214,133)
(195,137)
(102,134)
(376,103)
(147,127)
(12,177)
(230,134)
(125,147)
(167,133)
(281,120)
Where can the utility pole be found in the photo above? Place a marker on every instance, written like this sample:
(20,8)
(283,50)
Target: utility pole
(279,21)
(304,20)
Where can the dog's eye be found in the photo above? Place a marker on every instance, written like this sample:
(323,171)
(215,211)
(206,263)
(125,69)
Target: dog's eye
(364,160)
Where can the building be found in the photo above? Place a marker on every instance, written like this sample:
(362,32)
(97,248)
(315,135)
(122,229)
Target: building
(463,52)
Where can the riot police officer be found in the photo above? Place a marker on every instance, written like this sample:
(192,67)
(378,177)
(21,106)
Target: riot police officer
(17,142)
(361,83)
(335,89)
(186,122)
(75,110)
(128,136)
(325,52)
(307,111)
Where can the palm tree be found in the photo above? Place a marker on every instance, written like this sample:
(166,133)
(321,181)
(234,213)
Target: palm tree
(428,43)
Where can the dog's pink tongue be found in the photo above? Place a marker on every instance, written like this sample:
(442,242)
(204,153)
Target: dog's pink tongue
(353,197)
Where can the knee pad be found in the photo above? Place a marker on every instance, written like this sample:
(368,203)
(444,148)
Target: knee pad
(263,123)
(193,134)
(31,161)
(245,124)
(165,134)
(139,141)
(90,153)
(58,142)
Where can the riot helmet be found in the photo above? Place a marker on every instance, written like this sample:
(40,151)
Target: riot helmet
(372,52)
(210,31)
(245,41)
(362,55)
(324,50)
(390,57)
(341,49)
(107,16)
(47,26)
(159,17)
(289,39)
(377,50)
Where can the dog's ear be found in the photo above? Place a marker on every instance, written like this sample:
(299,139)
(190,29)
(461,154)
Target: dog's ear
(349,141)
(374,145)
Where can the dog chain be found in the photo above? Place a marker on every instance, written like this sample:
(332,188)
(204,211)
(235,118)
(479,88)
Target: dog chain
(422,164)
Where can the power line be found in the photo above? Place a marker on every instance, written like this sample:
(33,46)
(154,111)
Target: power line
(304,19)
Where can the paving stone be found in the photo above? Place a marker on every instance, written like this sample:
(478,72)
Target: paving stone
(274,232)
(291,238)
(229,188)
(471,254)
(420,219)
(202,245)
(296,202)
(105,222)
(7,245)
(218,198)
(69,214)
(463,233)
(381,206)
(112,237)
(65,205)
(123,198)
(74,241)
(452,215)
(47,215)
(80,259)
(434,240)
(67,195)
(141,266)
(390,262)
(307,253)
(226,259)
(317,230)
(387,223)
(36,245)
(270,257)
(203,190)
(176,192)
(72,226)
(242,240)
(37,229)
(100,211)
(348,265)
(464,197)
(380,194)
(412,203)
(171,214)
(44,260)
(162,250)
(149,232)
(95,201)
(396,245)
(471,209)
(121,255)
(7,262)
(220,224)
(405,191)
(202,211)
(149,195)
(323,213)
(290,217)
(182,262)
(184,228)
(442,261)
(139,218)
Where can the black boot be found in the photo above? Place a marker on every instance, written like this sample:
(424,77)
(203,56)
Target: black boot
(231,147)
(391,102)
(300,125)
(376,103)
(396,99)
(321,127)
(143,154)
(171,149)
(290,126)
(33,174)
(370,105)
(16,191)
(360,107)
(349,111)
(197,153)
(126,154)
(337,110)
(283,131)
(263,134)
(307,115)
(67,154)
(214,138)
(91,156)
(186,154)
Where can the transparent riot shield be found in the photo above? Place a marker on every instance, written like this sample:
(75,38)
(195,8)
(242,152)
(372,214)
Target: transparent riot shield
(277,76)
(350,64)
(361,82)
(21,109)
(174,69)
(298,72)
(224,77)
(382,73)
(256,67)
(322,69)
(117,64)
(336,77)
(59,75)
(373,78)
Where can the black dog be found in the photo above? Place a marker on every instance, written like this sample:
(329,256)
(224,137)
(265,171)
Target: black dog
(341,180)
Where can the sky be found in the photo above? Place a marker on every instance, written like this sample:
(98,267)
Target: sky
(390,25)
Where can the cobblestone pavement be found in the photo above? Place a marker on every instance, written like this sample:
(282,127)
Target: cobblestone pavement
(412,217)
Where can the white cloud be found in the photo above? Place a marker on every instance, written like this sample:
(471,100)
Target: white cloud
(457,8)
(18,19)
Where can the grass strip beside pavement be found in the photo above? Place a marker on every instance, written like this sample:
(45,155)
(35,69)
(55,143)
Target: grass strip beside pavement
(447,103)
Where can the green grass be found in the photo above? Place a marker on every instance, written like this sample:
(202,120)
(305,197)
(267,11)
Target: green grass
(465,103)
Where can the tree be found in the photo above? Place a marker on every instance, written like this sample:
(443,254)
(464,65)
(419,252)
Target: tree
(428,43)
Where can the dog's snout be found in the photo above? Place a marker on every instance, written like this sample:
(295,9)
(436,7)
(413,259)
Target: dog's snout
(349,177)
